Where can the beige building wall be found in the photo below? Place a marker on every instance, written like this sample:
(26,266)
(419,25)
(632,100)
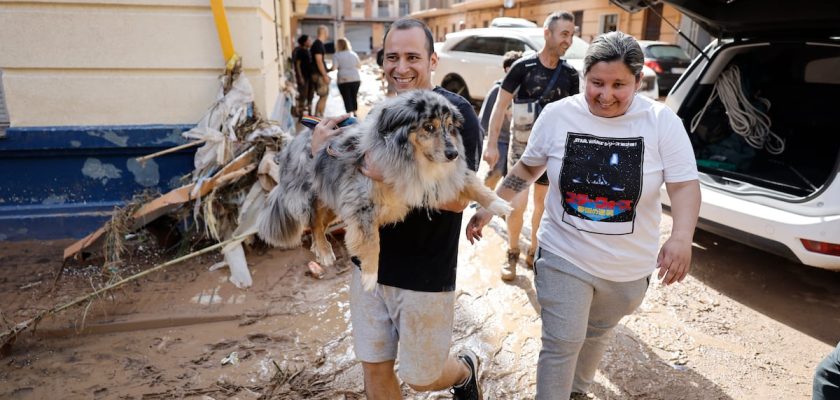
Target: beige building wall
(119,62)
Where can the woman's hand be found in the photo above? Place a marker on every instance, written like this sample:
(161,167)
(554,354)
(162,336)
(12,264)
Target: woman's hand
(326,130)
(477,222)
(674,260)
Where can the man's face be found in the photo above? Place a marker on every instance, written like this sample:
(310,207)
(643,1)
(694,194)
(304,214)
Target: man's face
(559,38)
(407,63)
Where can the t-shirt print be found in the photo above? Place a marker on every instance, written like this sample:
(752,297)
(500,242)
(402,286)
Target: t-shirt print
(601,181)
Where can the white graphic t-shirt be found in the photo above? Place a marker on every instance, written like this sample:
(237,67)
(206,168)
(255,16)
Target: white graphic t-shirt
(603,208)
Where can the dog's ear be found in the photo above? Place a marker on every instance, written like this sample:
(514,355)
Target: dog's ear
(457,118)
(398,115)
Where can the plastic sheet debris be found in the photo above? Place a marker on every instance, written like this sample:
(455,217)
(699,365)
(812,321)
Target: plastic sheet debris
(232,359)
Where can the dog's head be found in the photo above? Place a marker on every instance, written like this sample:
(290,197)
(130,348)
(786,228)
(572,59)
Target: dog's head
(424,121)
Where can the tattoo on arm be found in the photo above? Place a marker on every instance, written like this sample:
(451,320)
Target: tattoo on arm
(514,183)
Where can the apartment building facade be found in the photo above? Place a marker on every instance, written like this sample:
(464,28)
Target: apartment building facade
(363,22)
(592,17)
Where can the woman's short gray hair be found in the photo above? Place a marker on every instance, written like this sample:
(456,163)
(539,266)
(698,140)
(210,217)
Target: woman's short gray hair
(613,46)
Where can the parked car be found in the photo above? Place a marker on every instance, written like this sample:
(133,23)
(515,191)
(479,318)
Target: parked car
(469,61)
(669,61)
(783,196)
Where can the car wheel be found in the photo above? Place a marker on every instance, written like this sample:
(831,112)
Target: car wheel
(456,85)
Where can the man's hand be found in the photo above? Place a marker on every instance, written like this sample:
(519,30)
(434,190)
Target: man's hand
(326,79)
(477,222)
(491,154)
(371,169)
(326,130)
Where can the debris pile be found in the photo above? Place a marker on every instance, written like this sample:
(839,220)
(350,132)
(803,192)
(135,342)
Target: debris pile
(234,171)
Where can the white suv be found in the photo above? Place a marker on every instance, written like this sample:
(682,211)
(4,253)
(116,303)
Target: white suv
(470,61)
(782,196)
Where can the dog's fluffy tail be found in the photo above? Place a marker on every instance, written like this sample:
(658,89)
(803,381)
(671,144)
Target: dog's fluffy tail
(289,206)
(279,226)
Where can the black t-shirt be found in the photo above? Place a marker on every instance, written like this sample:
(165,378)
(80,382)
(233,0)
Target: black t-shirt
(318,48)
(302,54)
(531,77)
(421,252)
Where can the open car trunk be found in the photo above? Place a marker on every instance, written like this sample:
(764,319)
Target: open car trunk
(801,81)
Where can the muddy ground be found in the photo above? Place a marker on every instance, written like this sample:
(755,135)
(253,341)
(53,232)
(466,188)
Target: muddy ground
(744,325)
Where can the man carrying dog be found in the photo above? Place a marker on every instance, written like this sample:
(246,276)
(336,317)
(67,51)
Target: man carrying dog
(530,84)
(410,312)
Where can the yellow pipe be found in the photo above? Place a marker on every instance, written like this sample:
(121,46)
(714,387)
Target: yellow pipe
(224,31)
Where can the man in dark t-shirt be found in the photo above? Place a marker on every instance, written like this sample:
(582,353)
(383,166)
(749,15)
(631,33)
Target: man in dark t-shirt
(320,79)
(302,63)
(530,81)
(410,312)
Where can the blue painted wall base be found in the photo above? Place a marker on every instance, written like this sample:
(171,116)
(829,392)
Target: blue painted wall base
(64,182)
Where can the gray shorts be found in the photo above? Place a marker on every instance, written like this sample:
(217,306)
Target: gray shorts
(416,326)
(518,142)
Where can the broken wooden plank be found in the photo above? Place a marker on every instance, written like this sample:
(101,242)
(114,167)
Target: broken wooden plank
(171,200)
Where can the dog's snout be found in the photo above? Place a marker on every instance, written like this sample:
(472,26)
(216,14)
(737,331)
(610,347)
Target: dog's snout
(451,154)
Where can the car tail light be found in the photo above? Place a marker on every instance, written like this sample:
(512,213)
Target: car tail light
(654,66)
(832,249)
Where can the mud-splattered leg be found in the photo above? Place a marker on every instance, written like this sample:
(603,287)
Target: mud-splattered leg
(362,240)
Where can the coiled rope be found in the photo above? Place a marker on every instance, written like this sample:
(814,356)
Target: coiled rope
(744,118)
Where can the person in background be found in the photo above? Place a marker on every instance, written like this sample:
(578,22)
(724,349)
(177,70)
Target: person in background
(302,63)
(537,80)
(607,153)
(347,62)
(500,170)
(320,79)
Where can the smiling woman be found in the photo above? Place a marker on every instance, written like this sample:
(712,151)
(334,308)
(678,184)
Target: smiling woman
(606,152)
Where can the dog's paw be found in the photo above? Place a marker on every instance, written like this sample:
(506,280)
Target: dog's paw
(327,260)
(500,207)
(325,257)
(369,280)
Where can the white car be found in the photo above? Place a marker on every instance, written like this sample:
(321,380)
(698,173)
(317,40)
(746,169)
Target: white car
(469,61)
(782,193)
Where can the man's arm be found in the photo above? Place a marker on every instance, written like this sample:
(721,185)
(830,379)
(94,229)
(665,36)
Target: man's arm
(574,79)
(299,72)
(319,60)
(491,155)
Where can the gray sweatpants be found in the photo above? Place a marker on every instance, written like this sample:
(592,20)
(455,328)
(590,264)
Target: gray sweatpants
(579,312)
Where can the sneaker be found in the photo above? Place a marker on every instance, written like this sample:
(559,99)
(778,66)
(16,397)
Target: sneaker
(509,269)
(469,390)
(581,396)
